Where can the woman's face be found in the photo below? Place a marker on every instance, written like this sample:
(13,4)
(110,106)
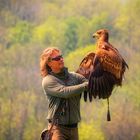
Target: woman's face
(56,62)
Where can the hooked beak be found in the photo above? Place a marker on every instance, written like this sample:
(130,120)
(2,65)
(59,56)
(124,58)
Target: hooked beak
(95,35)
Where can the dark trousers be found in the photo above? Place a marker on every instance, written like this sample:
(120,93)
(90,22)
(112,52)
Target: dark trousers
(64,133)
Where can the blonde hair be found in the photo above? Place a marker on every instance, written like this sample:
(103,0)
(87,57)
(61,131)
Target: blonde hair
(44,59)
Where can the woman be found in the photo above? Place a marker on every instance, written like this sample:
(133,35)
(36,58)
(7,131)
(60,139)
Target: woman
(63,90)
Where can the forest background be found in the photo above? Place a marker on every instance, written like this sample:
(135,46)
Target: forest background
(27,27)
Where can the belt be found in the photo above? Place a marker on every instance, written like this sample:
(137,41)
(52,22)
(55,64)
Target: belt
(74,125)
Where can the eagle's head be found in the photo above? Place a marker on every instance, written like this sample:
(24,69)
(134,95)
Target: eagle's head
(101,34)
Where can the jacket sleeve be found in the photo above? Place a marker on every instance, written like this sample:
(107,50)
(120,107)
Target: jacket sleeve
(80,77)
(54,88)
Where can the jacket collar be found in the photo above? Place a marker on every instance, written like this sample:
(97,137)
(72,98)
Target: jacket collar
(63,75)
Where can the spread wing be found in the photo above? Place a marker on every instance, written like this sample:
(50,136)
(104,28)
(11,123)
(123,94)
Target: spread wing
(108,71)
(86,66)
(104,70)
(101,82)
(85,69)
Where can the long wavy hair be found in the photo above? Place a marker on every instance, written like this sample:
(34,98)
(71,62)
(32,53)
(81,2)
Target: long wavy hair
(44,59)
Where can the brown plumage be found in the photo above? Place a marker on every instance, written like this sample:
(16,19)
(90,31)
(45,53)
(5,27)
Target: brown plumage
(105,68)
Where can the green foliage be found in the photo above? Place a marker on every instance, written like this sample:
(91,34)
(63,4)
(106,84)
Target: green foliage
(49,33)
(20,33)
(68,25)
(71,36)
(129,24)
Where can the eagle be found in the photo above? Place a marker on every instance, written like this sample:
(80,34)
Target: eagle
(105,68)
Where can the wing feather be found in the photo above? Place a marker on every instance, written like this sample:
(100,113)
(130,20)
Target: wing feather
(104,69)
(86,66)
(110,62)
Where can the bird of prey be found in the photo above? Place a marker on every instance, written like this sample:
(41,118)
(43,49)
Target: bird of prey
(104,68)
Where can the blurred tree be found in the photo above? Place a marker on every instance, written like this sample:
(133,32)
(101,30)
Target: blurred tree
(69,25)
(23,9)
(124,124)
(21,33)
(128,23)
(70,35)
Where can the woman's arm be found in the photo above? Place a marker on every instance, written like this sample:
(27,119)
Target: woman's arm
(54,88)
